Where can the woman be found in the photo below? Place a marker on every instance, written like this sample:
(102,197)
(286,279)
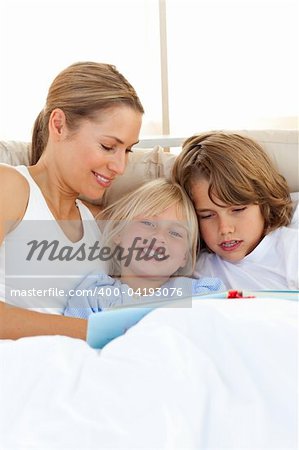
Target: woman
(80,143)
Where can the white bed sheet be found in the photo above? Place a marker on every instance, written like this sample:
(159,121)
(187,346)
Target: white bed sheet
(222,374)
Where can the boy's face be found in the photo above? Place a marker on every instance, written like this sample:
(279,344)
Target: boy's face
(232,232)
(166,231)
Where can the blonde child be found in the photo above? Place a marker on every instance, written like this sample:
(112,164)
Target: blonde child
(152,237)
(244,210)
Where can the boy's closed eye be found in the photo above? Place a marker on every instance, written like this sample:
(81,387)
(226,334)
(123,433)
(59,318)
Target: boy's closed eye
(239,208)
(210,214)
(205,215)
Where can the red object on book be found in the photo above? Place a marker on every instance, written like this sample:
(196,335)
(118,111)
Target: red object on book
(238,294)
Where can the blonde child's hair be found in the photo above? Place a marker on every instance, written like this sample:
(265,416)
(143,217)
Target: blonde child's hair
(239,172)
(151,199)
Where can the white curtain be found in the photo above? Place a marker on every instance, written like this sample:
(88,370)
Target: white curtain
(231,63)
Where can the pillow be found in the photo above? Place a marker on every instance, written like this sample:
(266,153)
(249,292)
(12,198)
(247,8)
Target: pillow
(295,218)
(143,165)
(147,164)
(14,153)
(282,147)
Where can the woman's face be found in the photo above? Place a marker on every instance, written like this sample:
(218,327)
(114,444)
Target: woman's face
(97,152)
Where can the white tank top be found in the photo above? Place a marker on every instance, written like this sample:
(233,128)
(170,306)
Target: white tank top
(39,265)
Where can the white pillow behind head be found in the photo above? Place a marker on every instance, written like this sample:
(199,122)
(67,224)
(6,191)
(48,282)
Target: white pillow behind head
(143,165)
(14,153)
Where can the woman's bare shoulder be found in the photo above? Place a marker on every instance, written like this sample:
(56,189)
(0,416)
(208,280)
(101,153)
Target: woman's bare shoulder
(11,179)
(10,172)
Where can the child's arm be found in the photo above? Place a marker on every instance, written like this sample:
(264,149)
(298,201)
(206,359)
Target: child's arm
(95,293)
(79,307)
(207,285)
(83,302)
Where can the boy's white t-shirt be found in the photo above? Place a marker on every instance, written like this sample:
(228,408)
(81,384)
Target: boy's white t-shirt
(273,264)
(45,285)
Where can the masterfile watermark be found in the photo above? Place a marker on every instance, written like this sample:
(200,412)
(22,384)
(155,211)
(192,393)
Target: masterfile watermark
(52,250)
(43,265)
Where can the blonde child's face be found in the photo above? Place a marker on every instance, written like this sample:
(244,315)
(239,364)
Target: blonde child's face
(167,231)
(230,231)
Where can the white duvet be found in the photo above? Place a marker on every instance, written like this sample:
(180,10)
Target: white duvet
(222,374)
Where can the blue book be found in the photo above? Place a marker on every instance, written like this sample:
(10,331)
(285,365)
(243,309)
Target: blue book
(105,326)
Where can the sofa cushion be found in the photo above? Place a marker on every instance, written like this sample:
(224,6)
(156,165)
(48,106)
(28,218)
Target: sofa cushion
(282,146)
(147,164)
(143,165)
(14,153)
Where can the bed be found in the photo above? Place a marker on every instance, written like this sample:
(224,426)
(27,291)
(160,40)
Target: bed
(220,374)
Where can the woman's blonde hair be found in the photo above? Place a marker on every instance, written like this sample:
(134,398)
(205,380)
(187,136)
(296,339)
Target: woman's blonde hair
(239,172)
(150,199)
(82,90)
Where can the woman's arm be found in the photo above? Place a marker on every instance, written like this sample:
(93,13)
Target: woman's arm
(17,322)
